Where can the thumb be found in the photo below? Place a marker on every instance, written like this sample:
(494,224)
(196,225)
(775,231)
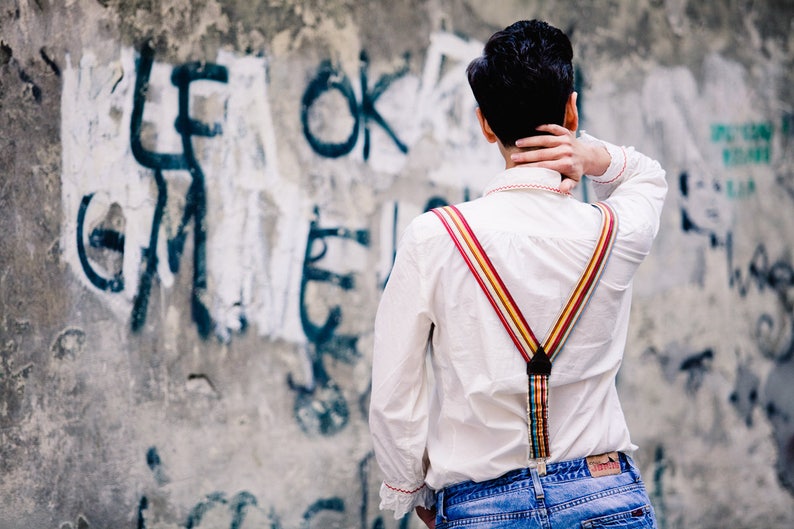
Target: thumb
(567,185)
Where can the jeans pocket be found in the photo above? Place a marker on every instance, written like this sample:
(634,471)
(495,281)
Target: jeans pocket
(639,518)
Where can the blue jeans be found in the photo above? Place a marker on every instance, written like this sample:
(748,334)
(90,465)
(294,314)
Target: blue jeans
(566,497)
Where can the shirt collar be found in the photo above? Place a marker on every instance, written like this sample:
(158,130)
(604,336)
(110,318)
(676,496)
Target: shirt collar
(522,177)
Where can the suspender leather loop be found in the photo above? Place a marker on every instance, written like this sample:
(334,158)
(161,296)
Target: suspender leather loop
(540,363)
(538,355)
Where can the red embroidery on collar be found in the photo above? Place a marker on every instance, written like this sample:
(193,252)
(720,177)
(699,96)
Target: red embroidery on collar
(526,186)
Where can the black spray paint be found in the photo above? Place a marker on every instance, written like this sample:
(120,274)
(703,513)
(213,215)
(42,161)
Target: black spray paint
(329,78)
(320,407)
(98,239)
(244,503)
(195,200)
(774,333)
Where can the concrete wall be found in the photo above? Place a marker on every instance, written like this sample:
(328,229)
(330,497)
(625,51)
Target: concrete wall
(200,202)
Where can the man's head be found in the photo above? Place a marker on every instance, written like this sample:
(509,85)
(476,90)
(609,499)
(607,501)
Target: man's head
(523,79)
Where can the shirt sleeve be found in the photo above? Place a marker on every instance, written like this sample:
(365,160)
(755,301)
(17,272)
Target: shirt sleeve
(398,412)
(635,186)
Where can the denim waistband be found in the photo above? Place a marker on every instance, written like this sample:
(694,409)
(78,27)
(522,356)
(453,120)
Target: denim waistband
(555,472)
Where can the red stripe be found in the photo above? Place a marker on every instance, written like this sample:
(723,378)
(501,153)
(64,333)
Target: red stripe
(513,337)
(605,243)
(499,279)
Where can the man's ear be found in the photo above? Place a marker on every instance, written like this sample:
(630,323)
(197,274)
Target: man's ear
(571,121)
(486,128)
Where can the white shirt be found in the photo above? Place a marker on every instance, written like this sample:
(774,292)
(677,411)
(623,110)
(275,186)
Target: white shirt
(462,414)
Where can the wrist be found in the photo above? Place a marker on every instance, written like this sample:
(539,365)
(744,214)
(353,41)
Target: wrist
(598,160)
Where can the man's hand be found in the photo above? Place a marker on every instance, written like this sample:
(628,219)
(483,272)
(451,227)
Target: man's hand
(562,152)
(427,515)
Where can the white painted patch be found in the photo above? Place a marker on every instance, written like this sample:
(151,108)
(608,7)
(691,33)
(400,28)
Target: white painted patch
(447,110)
(248,275)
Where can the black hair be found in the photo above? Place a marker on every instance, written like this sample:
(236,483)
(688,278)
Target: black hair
(523,79)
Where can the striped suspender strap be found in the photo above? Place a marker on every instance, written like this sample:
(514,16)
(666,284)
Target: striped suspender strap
(537,355)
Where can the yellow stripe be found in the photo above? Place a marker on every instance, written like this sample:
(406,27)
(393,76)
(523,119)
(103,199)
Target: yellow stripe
(486,271)
(580,286)
(490,274)
(580,290)
(537,418)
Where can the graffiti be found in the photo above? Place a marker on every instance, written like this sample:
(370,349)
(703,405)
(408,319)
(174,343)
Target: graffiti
(156,466)
(35,90)
(320,407)
(660,466)
(744,396)
(396,222)
(168,164)
(364,471)
(329,78)
(696,366)
(735,156)
(243,510)
(49,62)
(335,505)
(195,202)
(143,505)
(128,239)
(774,332)
(109,240)
(676,359)
(747,144)
(779,407)
(746,132)
(82,523)
(774,336)
(702,209)
(201,383)
(237,508)
(787,125)
(740,189)
(784,168)
(744,144)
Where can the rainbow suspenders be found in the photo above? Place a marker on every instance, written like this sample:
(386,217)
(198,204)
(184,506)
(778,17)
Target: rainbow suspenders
(539,356)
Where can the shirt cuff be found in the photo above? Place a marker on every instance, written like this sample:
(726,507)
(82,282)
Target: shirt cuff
(403,501)
(617,165)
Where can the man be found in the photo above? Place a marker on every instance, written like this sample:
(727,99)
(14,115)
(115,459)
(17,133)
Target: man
(451,435)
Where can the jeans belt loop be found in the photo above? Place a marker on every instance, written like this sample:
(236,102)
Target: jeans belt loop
(539,495)
(440,502)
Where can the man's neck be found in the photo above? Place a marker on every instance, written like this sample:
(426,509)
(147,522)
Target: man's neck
(506,152)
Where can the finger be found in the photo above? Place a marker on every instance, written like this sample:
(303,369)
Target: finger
(544,140)
(557,130)
(545,154)
(537,141)
(567,185)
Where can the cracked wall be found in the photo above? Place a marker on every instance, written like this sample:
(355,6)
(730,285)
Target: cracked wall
(201,201)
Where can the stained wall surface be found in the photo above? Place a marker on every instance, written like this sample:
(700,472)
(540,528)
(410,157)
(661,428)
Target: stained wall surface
(200,203)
